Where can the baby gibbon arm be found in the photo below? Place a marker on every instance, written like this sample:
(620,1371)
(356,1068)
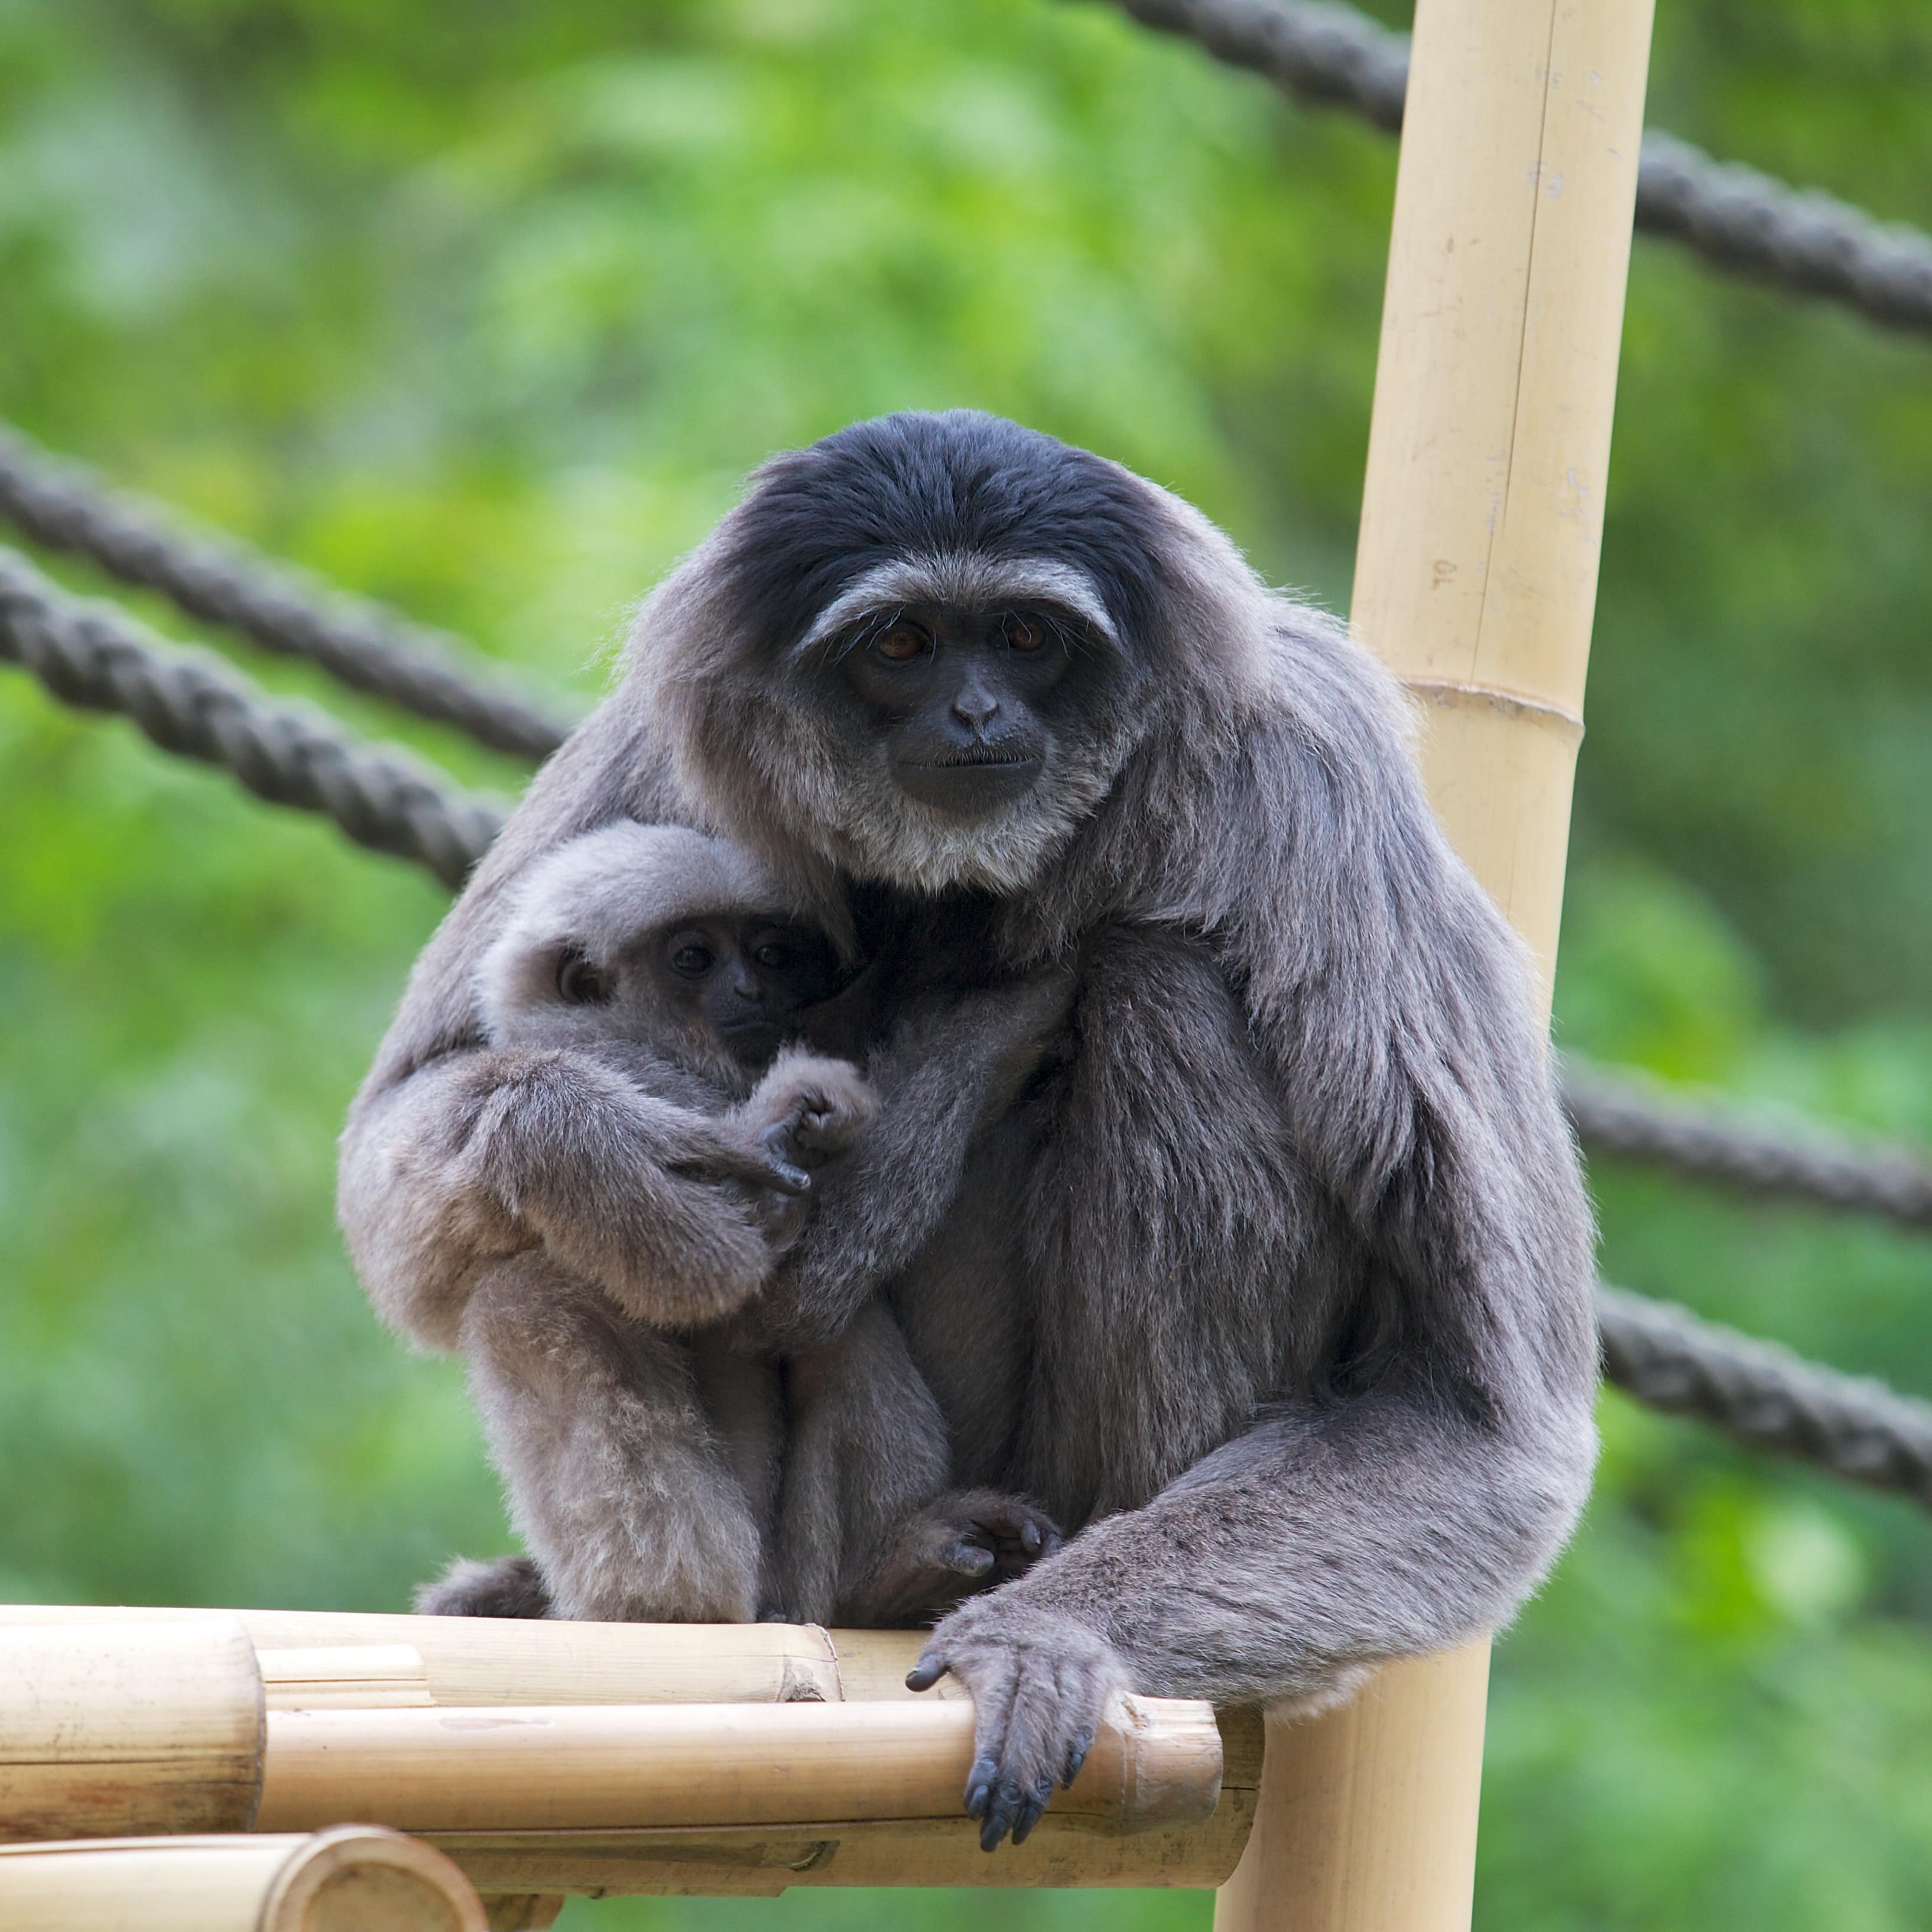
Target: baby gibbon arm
(491,1152)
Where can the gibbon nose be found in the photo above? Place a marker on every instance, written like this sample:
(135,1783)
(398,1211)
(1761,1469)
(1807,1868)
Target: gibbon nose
(746,987)
(974,705)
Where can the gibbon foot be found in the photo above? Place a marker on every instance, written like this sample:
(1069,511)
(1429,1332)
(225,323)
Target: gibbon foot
(511,1586)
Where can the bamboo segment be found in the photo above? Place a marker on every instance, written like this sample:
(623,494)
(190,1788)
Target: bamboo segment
(362,1677)
(471,1660)
(1475,581)
(1370,1811)
(571,1768)
(143,1729)
(1489,450)
(761,1862)
(358,1878)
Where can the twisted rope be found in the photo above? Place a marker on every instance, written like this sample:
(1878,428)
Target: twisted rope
(1747,222)
(66,506)
(90,656)
(1765,1395)
(1627,1120)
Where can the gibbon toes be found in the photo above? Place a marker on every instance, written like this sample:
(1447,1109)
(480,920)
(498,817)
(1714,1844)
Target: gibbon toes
(978,1532)
(511,1586)
(963,1540)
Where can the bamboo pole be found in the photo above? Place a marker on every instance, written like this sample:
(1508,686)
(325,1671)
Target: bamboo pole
(358,1878)
(468,1660)
(156,1728)
(574,1768)
(1475,581)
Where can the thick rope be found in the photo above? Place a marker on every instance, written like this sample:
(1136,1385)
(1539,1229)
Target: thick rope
(1798,238)
(90,656)
(68,507)
(189,701)
(1765,1395)
(1619,1117)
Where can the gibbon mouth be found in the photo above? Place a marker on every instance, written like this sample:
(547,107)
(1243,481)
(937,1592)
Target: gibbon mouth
(978,761)
(971,784)
(750,1042)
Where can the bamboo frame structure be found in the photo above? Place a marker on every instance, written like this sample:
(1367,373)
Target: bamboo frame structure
(356,1879)
(1475,581)
(784,1778)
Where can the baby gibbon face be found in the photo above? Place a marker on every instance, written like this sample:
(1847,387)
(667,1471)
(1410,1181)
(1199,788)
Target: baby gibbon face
(737,981)
(655,937)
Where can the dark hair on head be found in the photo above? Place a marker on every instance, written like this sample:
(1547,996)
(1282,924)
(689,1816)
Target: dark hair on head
(921,483)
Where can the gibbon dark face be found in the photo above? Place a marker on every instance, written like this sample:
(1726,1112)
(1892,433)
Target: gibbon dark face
(742,980)
(921,652)
(963,699)
(658,936)
(739,982)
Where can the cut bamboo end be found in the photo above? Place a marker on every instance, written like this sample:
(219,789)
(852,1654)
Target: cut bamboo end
(146,1730)
(355,1879)
(574,1768)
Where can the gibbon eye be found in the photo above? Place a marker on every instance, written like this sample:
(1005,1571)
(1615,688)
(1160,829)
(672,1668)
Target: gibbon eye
(1022,634)
(692,960)
(900,644)
(579,983)
(773,957)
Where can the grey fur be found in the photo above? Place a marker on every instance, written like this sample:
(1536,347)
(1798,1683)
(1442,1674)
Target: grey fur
(1276,1285)
(655,1469)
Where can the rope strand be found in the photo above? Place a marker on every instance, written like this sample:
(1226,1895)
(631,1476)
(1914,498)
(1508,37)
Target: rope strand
(66,506)
(1736,218)
(93,656)
(1765,1395)
(1628,1119)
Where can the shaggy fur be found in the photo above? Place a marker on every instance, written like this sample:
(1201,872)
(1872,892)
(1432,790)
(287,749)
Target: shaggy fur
(655,1469)
(1275,1284)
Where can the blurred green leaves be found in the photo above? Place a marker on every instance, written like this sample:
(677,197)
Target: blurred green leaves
(486,310)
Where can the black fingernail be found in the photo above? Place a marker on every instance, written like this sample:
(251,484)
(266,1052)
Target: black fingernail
(976,1798)
(1028,1818)
(999,1822)
(926,1672)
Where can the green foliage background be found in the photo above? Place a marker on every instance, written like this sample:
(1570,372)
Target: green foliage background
(485,309)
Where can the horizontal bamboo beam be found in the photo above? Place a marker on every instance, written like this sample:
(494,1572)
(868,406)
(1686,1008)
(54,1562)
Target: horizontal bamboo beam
(356,1879)
(761,1861)
(359,1677)
(160,1730)
(468,1660)
(578,1768)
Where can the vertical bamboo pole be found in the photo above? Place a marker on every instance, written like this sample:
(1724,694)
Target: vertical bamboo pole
(1475,580)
